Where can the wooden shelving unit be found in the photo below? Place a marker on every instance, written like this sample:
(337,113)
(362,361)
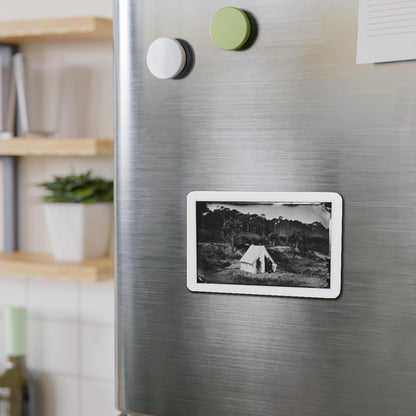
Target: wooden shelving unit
(44,266)
(30,265)
(56,147)
(41,30)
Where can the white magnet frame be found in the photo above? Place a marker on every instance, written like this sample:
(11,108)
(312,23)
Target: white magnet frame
(267,197)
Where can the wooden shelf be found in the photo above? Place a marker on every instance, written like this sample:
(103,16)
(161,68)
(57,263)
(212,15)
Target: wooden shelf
(39,30)
(18,146)
(44,266)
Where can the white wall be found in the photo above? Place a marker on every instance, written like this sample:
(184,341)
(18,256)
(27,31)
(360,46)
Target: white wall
(29,9)
(71,336)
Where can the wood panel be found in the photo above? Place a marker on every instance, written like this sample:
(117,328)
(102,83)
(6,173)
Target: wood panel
(44,266)
(39,30)
(56,147)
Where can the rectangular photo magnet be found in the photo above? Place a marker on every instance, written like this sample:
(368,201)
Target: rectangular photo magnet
(265,243)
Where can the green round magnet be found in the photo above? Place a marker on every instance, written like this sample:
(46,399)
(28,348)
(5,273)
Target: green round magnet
(230,28)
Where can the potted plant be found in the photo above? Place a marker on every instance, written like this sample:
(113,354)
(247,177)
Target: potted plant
(79,216)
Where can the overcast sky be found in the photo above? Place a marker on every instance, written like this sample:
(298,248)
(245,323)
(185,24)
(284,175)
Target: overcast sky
(306,213)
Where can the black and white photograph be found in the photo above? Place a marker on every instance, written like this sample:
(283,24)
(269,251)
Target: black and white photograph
(285,244)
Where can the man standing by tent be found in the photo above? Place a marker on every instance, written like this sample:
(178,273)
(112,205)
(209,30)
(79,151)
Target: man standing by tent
(258,265)
(269,265)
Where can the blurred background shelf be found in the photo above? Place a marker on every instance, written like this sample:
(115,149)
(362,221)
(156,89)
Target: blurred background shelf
(44,266)
(56,147)
(68,65)
(39,30)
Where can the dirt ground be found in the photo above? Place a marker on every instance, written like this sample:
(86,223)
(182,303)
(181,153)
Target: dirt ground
(305,272)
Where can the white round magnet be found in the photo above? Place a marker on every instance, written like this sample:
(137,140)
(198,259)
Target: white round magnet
(166,58)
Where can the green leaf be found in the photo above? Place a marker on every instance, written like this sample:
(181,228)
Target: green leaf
(84,192)
(79,189)
(53,199)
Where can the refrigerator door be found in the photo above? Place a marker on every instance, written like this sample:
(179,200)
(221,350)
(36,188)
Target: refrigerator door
(291,113)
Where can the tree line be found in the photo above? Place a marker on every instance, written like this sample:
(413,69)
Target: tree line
(230,225)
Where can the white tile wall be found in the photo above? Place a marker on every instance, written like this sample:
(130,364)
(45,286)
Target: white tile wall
(93,389)
(53,346)
(49,298)
(97,303)
(12,292)
(97,352)
(70,343)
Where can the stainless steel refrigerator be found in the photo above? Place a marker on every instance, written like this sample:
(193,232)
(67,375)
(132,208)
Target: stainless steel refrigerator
(288,111)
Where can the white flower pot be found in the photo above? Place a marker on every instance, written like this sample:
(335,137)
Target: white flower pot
(79,231)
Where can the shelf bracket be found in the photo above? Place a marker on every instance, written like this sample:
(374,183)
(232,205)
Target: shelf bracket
(10,203)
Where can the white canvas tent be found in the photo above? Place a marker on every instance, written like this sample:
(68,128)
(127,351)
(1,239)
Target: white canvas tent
(249,263)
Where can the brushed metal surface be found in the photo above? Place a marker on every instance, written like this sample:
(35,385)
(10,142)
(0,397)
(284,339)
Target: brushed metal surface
(292,113)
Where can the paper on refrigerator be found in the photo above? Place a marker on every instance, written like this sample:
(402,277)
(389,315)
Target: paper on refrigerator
(386,31)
